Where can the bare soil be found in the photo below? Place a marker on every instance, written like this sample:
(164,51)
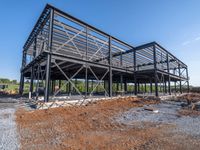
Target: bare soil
(94,127)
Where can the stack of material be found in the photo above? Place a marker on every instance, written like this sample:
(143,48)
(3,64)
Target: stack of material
(196,106)
(193,100)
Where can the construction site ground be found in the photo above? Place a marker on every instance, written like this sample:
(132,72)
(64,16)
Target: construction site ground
(123,123)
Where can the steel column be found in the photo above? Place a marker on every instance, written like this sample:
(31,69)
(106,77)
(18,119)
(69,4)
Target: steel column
(151,89)
(52,86)
(121,82)
(175,86)
(92,84)
(135,76)
(155,70)
(69,89)
(31,83)
(117,86)
(110,67)
(59,84)
(86,81)
(21,88)
(165,87)
(180,84)
(188,85)
(86,65)
(138,87)
(125,86)
(48,65)
(169,79)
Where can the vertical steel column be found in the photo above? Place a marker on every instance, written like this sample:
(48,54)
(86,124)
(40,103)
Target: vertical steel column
(31,84)
(69,89)
(125,86)
(52,86)
(145,87)
(92,84)
(188,85)
(121,76)
(38,81)
(86,80)
(86,65)
(151,89)
(48,65)
(138,88)
(121,82)
(59,84)
(155,70)
(66,87)
(175,86)
(104,84)
(179,70)
(110,67)
(117,86)
(21,88)
(32,68)
(135,76)
(165,87)
(169,79)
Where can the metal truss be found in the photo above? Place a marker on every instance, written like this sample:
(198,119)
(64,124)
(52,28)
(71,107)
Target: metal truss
(63,48)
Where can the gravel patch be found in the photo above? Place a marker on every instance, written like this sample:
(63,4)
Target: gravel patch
(188,125)
(8,131)
(167,114)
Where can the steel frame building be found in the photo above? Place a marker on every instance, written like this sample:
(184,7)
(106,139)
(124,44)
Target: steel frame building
(64,48)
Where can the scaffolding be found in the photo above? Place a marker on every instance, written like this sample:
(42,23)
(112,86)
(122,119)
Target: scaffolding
(66,56)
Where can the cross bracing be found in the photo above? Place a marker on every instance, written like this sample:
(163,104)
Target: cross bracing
(62,49)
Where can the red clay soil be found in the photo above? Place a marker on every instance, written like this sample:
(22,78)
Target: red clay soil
(89,127)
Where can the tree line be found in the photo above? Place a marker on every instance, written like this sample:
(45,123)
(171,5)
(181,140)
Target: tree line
(7,81)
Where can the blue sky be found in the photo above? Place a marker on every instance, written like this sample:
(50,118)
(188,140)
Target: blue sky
(175,24)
